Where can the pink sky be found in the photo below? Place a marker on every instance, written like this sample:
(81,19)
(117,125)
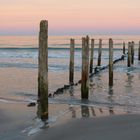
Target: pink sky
(70,17)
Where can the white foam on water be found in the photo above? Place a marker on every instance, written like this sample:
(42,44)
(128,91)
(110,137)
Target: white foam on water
(4,101)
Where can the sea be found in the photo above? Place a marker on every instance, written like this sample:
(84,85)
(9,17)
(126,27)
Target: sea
(19,71)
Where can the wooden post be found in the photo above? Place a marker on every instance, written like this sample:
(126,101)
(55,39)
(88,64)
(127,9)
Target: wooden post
(139,52)
(91,55)
(71,65)
(110,62)
(132,52)
(43,71)
(129,55)
(85,68)
(123,47)
(99,52)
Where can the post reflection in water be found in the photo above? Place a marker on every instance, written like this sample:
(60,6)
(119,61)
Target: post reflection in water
(110,99)
(129,90)
(73,112)
(100,109)
(139,76)
(93,111)
(85,111)
(99,81)
(129,80)
(71,91)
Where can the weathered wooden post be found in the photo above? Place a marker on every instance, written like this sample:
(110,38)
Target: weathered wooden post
(99,52)
(129,55)
(43,71)
(123,47)
(91,55)
(139,52)
(132,52)
(71,65)
(110,62)
(85,68)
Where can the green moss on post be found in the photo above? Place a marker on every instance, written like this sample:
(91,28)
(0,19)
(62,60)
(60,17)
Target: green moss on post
(123,47)
(132,51)
(43,71)
(71,65)
(139,52)
(129,55)
(85,68)
(110,62)
(99,52)
(91,55)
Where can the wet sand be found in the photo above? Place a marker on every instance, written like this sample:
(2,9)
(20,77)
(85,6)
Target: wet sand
(70,120)
(13,119)
(17,121)
(123,127)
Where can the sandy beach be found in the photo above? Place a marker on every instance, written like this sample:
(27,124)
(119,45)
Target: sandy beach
(67,122)
(104,117)
(110,113)
(104,128)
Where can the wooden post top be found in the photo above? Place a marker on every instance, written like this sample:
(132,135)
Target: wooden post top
(43,25)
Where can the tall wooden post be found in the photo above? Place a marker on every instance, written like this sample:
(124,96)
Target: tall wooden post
(110,62)
(129,55)
(71,65)
(85,68)
(132,52)
(99,52)
(123,47)
(43,71)
(139,52)
(91,55)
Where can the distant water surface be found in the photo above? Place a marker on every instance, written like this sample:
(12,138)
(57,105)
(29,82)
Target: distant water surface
(22,51)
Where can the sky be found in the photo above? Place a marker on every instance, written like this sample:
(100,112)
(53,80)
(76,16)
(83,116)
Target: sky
(73,17)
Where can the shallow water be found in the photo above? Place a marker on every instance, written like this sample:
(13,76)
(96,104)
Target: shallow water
(19,63)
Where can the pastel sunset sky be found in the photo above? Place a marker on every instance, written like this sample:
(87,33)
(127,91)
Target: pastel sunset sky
(22,17)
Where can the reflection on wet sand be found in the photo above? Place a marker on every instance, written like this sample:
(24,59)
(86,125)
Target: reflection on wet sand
(129,80)
(71,91)
(85,111)
(93,111)
(111,111)
(100,109)
(139,76)
(110,99)
(99,81)
(73,112)
(129,83)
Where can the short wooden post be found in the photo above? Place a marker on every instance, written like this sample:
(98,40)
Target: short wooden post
(123,47)
(91,55)
(71,65)
(139,52)
(110,62)
(85,68)
(132,52)
(43,71)
(99,52)
(129,55)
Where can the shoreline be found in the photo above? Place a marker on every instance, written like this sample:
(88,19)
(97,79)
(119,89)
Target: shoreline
(19,121)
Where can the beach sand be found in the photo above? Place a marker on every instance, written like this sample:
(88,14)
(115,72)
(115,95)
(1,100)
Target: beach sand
(106,117)
(123,127)
(67,123)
